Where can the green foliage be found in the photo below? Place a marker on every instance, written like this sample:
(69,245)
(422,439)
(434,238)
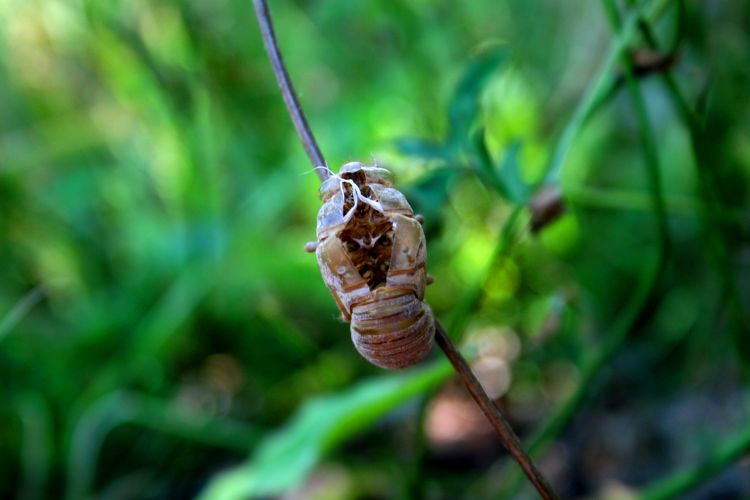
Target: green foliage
(159,321)
(283,461)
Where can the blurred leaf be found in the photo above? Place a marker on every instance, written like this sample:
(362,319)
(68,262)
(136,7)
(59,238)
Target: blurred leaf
(506,177)
(284,460)
(509,175)
(411,146)
(428,196)
(462,111)
(482,154)
(464,106)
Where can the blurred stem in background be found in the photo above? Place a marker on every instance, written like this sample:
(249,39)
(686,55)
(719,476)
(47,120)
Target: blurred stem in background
(509,236)
(683,481)
(647,291)
(19,310)
(37,441)
(599,89)
(734,448)
(718,229)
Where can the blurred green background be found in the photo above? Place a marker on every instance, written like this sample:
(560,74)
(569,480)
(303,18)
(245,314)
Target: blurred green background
(163,334)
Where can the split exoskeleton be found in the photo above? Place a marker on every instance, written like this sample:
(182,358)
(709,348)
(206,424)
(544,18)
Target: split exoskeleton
(371,252)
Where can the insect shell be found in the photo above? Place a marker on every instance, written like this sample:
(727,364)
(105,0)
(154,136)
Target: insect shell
(371,252)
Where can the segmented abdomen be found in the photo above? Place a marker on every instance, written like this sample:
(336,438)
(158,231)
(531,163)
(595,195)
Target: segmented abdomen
(393,331)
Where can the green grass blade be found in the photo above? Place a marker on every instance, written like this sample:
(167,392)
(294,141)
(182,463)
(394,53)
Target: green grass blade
(683,481)
(283,460)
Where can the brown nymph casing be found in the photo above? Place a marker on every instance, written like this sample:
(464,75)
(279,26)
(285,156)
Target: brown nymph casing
(371,252)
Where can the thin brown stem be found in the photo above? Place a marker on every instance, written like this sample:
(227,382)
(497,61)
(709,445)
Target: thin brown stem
(287,90)
(501,426)
(488,407)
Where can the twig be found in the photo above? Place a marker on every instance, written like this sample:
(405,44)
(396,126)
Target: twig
(287,90)
(501,426)
(591,369)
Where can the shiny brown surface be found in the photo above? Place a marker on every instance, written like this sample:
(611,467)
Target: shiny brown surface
(374,265)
